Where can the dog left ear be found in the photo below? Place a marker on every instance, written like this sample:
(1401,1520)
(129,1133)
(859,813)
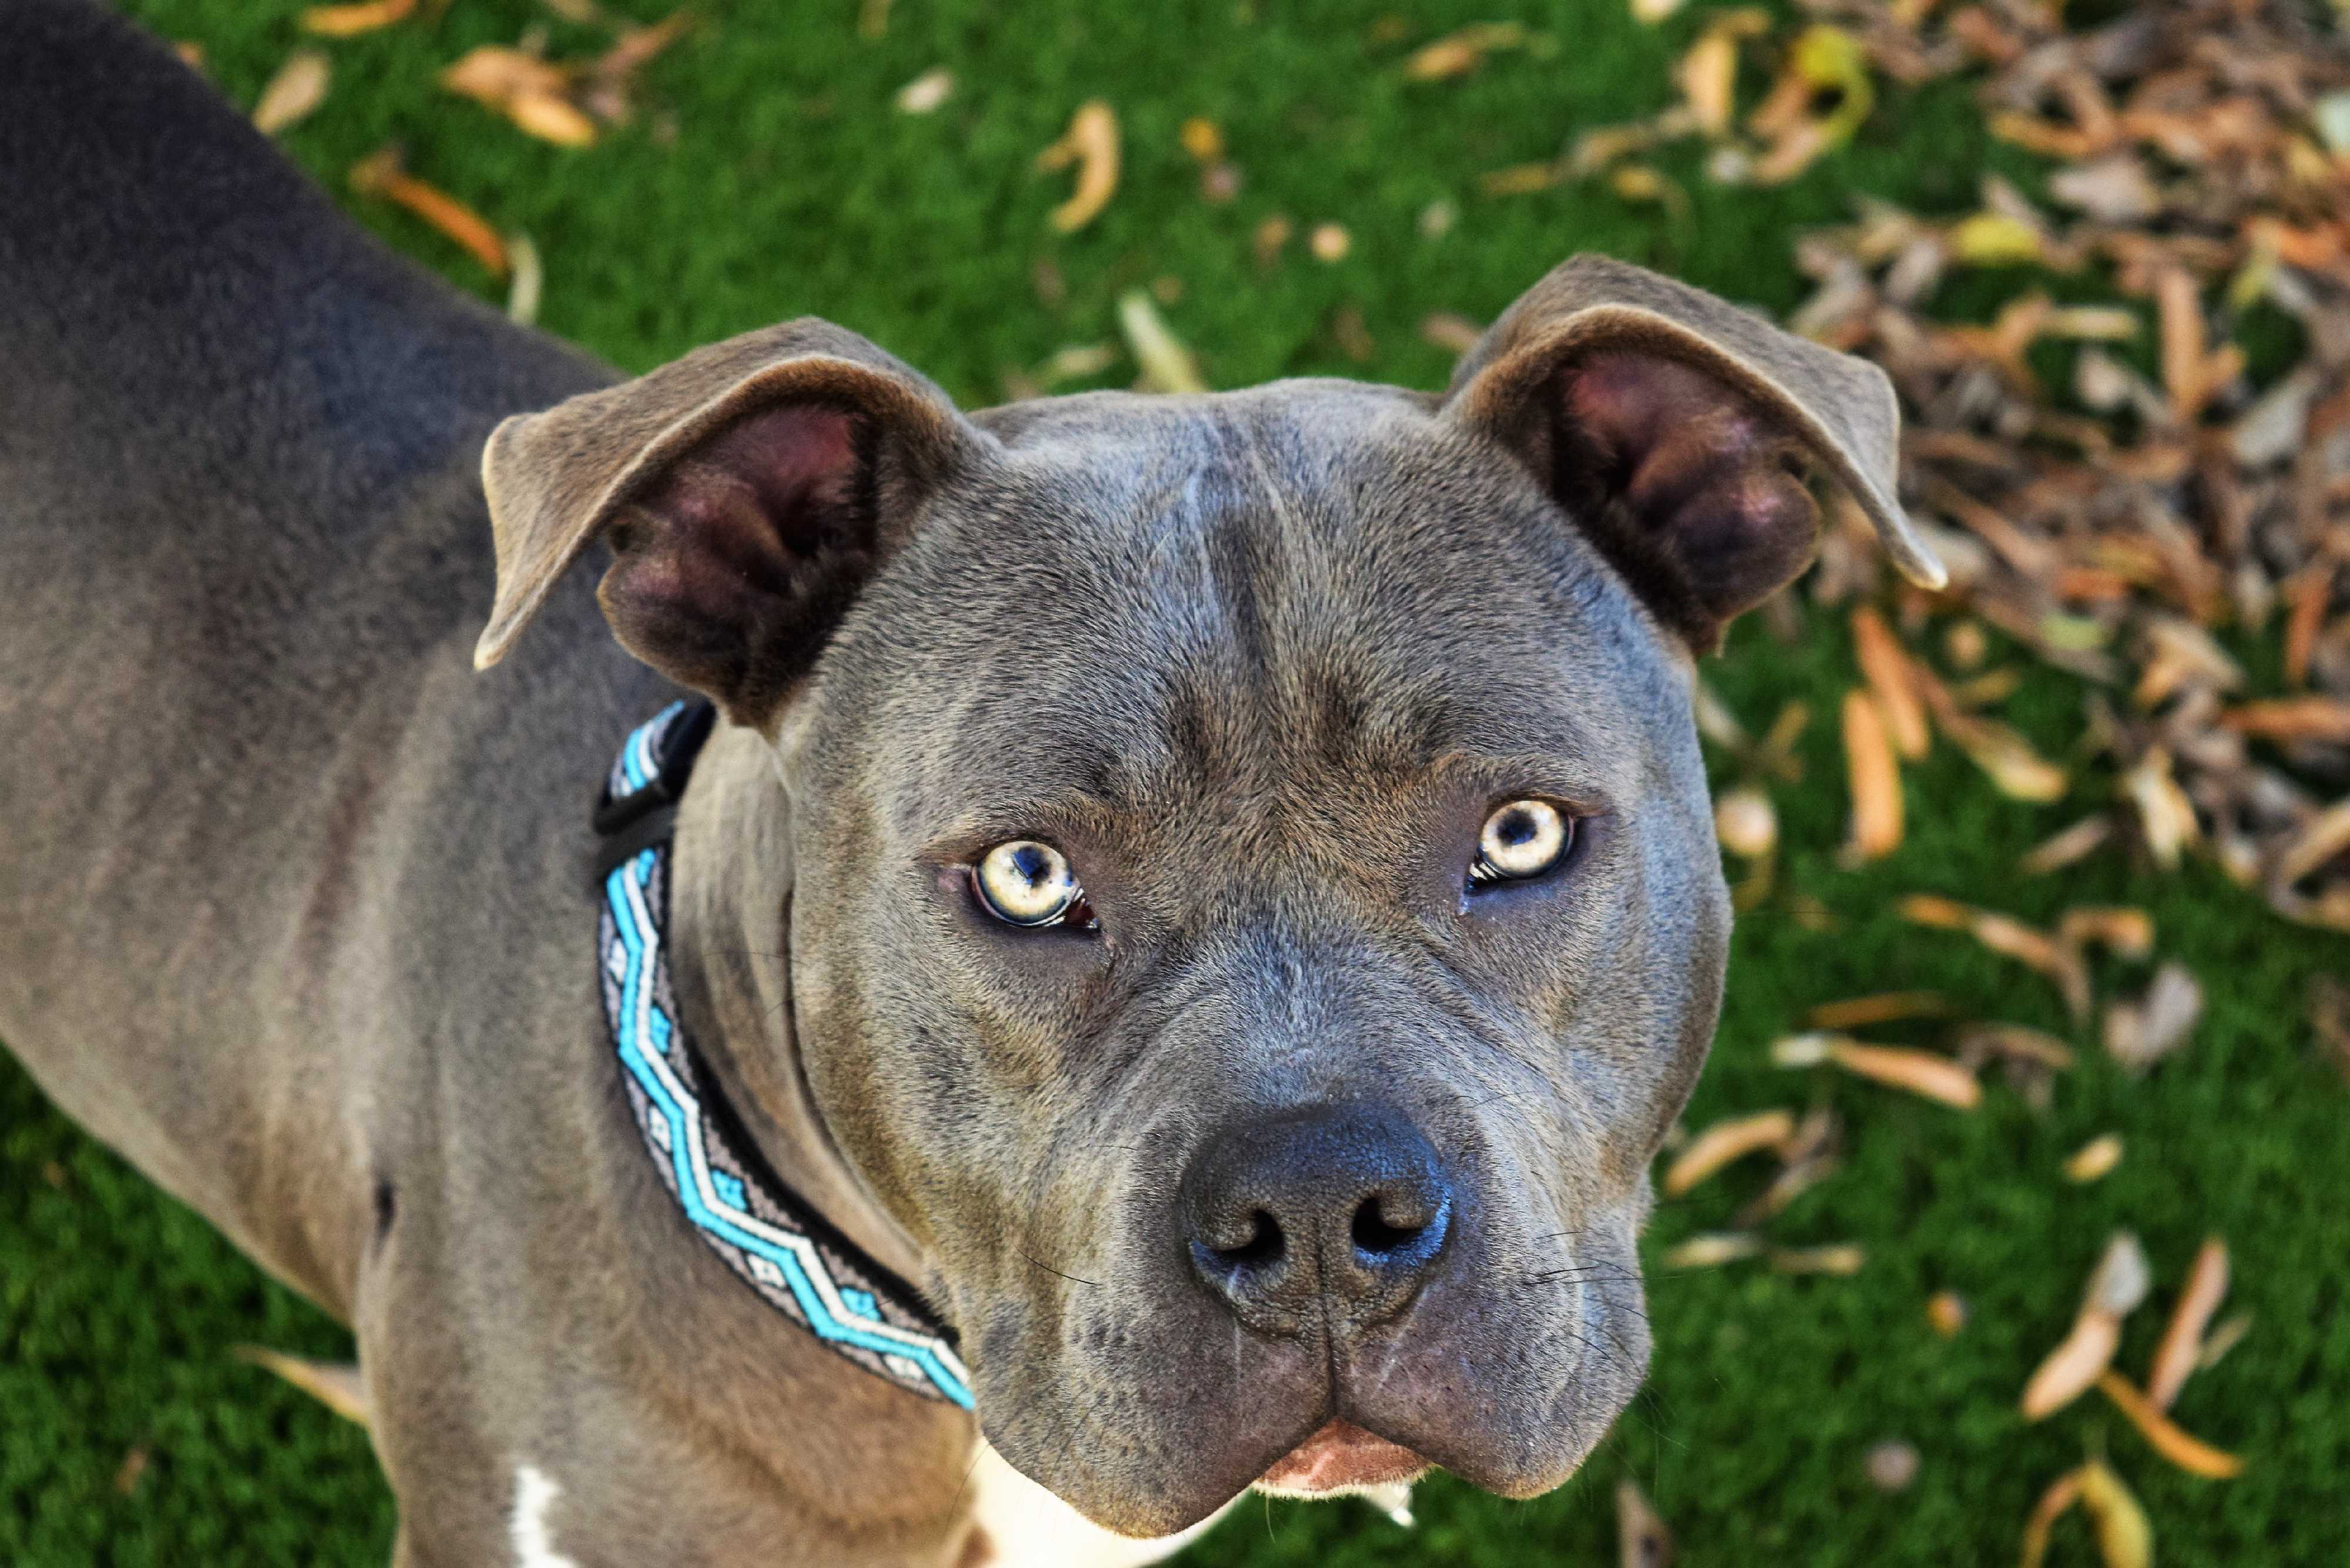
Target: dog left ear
(748,491)
(1671,426)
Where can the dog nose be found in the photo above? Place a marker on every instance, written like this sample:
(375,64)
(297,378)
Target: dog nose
(1342,1208)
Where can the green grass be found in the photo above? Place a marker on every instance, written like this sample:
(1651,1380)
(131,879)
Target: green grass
(790,185)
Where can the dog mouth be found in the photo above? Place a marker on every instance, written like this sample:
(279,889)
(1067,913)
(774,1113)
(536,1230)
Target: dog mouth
(1341,1458)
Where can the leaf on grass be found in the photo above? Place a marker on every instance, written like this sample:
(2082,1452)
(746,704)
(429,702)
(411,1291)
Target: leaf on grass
(294,93)
(2182,1339)
(380,174)
(926,92)
(1945,1314)
(1091,142)
(1746,823)
(2054,1505)
(1642,1539)
(1886,667)
(2094,1160)
(1824,64)
(2188,1452)
(2228,1333)
(526,89)
(1167,364)
(2011,938)
(2139,1034)
(2071,1369)
(349,21)
(1723,1144)
(1842,1257)
(2067,846)
(529,280)
(335,1384)
(1887,1007)
(2120,928)
(2166,817)
(1711,1248)
(1457,54)
(1921,1073)
(2118,1284)
(2124,1536)
(1876,780)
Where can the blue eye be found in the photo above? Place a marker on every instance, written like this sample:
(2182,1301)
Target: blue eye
(1520,839)
(1026,882)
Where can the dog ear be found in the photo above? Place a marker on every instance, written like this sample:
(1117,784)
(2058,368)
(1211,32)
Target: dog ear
(748,491)
(1672,427)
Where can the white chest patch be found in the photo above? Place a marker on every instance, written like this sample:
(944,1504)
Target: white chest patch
(534,1494)
(1030,1528)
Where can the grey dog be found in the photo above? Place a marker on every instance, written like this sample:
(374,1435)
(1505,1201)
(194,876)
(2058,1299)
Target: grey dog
(1215,893)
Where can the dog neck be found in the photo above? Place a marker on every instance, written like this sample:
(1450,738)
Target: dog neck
(730,963)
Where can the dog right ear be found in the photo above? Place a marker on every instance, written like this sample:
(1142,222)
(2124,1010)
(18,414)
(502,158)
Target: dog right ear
(748,491)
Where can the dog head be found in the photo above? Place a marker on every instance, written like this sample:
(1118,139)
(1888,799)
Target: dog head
(1255,910)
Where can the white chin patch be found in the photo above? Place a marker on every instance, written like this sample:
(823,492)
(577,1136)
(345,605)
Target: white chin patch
(534,1492)
(1392,1499)
(1028,1527)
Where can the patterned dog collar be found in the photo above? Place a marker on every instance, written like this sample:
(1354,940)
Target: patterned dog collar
(776,1242)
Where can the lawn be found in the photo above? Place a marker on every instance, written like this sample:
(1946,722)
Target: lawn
(768,174)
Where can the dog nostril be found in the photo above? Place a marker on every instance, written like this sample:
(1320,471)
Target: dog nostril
(1261,1247)
(1379,1232)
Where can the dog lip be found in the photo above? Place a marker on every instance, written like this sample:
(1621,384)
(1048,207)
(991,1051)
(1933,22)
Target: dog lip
(1341,1458)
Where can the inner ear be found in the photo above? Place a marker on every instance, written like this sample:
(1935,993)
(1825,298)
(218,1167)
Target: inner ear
(1690,489)
(732,564)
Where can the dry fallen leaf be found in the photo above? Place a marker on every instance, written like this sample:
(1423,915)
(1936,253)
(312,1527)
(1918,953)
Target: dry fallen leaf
(926,92)
(2182,1340)
(1887,666)
(2139,1034)
(2095,1160)
(529,280)
(2225,1337)
(2189,1453)
(1892,1465)
(380,174)
(1457,54)
(1329,242)
(1167,364)
(294,93)
(336,1384)
(2011,938)
(1888,1007)
(1835,1258)
(1876,780)
(1450,330)
(2067,846)
(2125,932)
(2124,1536)
(1711,1248)
(526,89)
(1709,78)
(2060,1495)
(2071,1369)
(1723,1144)
(1745,822)
(1945,1314)
(134,1464)
(1920,1072)
(1091,143)
(1642,1540)
(2118,1284)
(349,21)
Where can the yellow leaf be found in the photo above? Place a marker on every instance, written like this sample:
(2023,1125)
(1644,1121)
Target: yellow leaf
(1994,239)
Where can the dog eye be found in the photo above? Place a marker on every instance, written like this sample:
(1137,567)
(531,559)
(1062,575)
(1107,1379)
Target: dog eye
(1522,838)
(1028,883)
